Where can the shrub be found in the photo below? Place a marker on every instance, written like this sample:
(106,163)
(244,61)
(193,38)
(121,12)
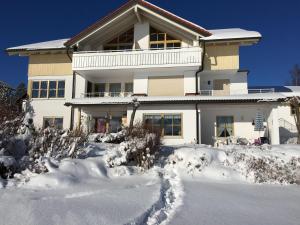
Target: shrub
(140,148)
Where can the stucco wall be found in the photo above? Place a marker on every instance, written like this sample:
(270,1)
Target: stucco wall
(243,114)
(52,107)
(238,81)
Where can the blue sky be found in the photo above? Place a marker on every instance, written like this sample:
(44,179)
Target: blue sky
(269,62)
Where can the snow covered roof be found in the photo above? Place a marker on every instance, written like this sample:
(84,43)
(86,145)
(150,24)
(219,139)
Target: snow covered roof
(232,33)
(47,45)
(182,99)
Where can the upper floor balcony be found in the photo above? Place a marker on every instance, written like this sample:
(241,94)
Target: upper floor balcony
(137,59)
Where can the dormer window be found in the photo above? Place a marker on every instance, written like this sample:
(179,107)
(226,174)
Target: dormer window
(162,40)
(122,42)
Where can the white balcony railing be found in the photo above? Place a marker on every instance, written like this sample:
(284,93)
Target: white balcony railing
(259,91)
(106,94)
(137,59)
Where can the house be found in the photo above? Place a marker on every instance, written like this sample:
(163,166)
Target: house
(186,78)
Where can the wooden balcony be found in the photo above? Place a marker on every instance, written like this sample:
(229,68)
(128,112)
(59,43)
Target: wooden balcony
(136,59)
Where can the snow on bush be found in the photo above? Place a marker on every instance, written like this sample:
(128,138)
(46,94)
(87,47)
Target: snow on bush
(264,164)
(139,149)
(20,141)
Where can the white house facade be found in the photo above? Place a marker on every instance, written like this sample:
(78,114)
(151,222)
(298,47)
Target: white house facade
(187,79)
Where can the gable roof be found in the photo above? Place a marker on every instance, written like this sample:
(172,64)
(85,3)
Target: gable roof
(145,4)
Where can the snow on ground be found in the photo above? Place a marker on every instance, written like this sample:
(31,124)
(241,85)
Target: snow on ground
(191,184)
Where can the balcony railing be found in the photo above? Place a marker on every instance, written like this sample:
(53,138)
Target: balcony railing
(137,59)
(106,94)
(259,91)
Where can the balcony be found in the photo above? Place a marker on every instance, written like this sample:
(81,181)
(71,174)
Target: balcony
(136,59)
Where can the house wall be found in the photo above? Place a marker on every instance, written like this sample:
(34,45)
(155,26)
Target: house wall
(243,114)
(238,80)
(141,35)
(222,57)
(188,120)
(141,80)
(52,107)
(49,65)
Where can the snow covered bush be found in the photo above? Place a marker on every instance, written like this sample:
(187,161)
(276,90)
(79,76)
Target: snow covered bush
(140,148)
(266,164)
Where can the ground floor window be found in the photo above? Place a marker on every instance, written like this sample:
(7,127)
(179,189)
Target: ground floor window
(55,122)
(225,126)
(166,124)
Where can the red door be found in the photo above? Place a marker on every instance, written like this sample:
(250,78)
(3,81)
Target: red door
(100,125)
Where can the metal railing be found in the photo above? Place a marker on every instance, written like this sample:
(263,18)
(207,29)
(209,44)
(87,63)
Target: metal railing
(257,91)
(106,94)
(136,59)
(287,125)
(206,92)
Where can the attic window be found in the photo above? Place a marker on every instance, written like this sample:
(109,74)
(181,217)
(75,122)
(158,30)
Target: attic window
(162,40)
(122,42)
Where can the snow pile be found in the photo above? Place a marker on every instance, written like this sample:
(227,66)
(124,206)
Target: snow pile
(69,172)
(108,137)
(266,164)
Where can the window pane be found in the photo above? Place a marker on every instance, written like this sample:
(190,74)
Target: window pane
(177,130)
(52,93)
(44,85)
(43,94)
(153,37)
(35,85)
(115,89)
(168,130)
(168,119)
(47,122)
(61,84)
(161,37)
(129,87)
(177,119)
(224,126)
(61,93)
(35,94)
(52,85)
(58,123)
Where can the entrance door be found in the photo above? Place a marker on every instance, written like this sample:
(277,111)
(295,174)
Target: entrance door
(221,87)
(100,125)
(115,124)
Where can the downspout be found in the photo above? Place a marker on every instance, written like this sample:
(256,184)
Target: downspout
(201,68)
(73,92)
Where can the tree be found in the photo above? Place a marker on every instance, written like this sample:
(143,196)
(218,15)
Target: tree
(21,90)
(135,104)
(295,75)
(295,103)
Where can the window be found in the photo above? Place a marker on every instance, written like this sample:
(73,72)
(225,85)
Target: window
(48,89)
(55,122)
(115,89)
(224,126)
(167,124)
(128,89)
(99,90)
(122,42)
(293,110)
(161,40)
(35,89)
